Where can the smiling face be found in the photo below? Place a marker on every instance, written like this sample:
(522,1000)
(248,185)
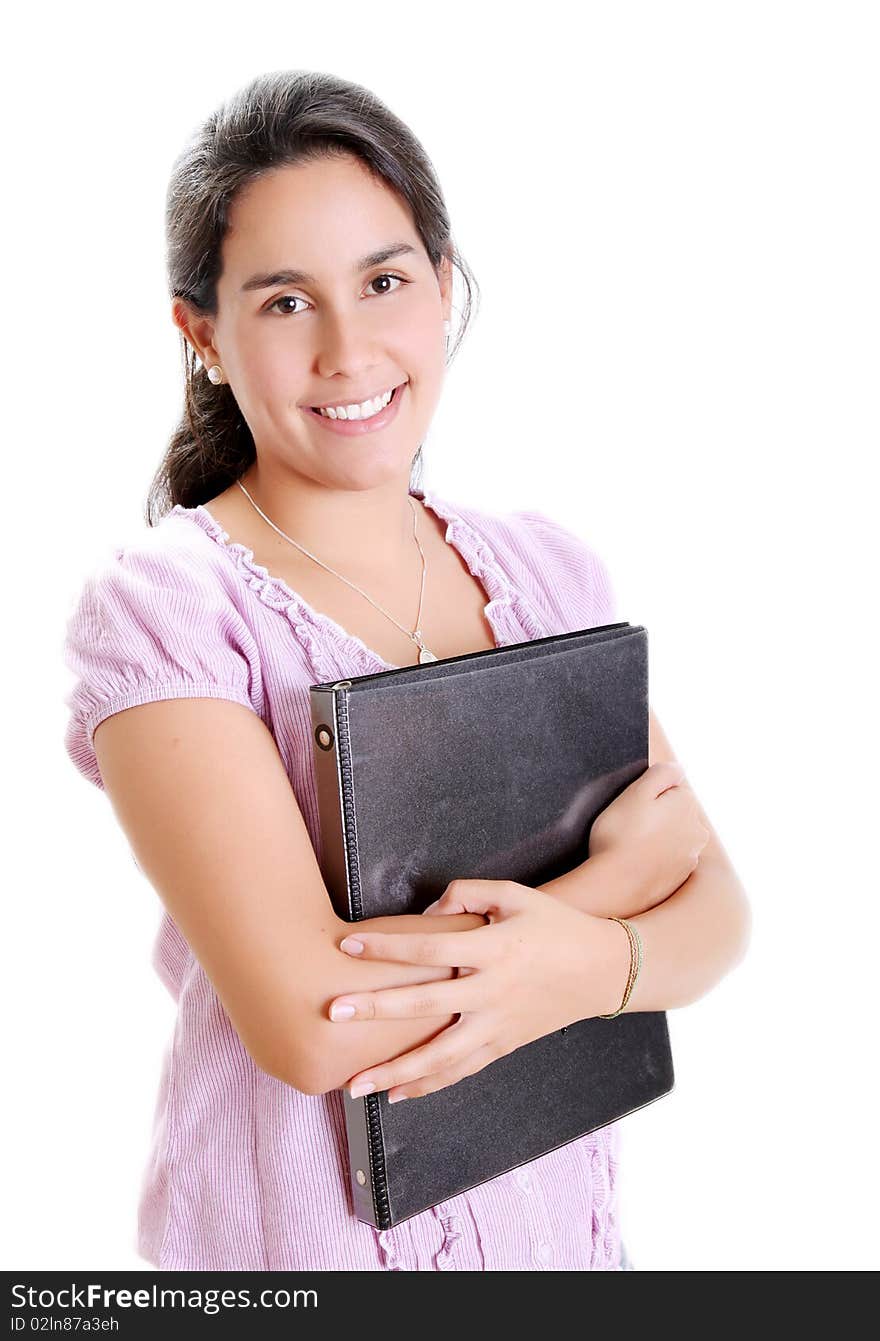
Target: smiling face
(332,334)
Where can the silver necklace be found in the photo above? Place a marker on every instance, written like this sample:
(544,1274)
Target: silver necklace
(416,635)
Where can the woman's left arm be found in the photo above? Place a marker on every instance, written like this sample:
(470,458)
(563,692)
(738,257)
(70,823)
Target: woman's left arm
(543,963)
(690,940)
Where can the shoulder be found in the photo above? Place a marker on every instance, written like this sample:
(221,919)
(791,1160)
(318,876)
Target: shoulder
(557,566)
(160,570)
(155,618)
(175,550)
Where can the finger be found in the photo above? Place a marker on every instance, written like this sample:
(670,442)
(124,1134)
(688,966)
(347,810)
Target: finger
(449,901)
(487,897)
(430,1084)
(443,1052)
(453,949)
(492,898)
(408,1003)
(660,777)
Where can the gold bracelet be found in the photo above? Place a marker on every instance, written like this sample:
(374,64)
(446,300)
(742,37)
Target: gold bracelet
(635,964)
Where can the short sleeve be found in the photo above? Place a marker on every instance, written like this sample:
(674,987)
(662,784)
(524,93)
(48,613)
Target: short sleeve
(572,577)
(151,624)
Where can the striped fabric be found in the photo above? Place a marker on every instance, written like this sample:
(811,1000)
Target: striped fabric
(245,1172)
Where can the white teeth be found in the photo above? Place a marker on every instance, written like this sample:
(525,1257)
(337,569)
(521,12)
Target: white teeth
(365,410)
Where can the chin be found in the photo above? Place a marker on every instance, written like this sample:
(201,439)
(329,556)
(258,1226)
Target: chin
(361,475)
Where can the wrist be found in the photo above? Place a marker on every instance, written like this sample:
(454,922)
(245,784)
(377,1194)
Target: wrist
(599,885)
(608,879)
(615,960)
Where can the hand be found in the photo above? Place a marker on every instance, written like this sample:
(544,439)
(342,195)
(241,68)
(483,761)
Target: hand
(655,833)
(536,966)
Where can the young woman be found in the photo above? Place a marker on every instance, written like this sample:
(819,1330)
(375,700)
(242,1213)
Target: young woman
(311,264)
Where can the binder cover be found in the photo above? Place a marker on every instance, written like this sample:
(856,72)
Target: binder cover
(491,765)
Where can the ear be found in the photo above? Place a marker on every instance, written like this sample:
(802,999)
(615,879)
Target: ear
(198,330)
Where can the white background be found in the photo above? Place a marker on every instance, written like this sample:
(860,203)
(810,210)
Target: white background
(672,212)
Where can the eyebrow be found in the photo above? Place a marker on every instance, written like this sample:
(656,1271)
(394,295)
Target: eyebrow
(269,281)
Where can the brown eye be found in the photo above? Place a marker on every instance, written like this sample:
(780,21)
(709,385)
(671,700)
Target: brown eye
(286,298)
(381,277)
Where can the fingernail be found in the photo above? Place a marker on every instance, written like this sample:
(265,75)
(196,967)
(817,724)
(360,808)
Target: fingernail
(395,1098)
(338,1012)
(366,1088)
(352,946)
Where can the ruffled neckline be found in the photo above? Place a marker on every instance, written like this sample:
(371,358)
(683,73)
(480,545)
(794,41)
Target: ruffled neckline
(332,649)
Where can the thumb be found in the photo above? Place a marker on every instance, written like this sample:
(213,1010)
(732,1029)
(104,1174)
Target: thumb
(481,896)
(446,903)
(436,907)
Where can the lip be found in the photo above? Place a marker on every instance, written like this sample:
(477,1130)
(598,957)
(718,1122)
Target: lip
(331,404)
(353,428)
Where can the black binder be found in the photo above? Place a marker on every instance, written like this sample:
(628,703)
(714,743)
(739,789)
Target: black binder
(491,765)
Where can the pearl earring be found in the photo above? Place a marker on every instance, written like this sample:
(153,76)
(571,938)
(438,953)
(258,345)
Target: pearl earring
(215,374)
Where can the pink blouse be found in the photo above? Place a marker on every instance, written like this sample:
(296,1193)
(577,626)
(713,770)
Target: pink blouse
(246,1172)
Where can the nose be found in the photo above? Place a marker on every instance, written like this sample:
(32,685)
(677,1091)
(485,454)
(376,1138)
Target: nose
(347,346)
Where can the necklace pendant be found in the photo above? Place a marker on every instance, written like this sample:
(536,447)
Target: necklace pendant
(424,654)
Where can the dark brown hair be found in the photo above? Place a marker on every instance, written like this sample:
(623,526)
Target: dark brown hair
(281,118)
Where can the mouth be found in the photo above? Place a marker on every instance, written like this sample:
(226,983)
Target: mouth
(360,428)
(395,395)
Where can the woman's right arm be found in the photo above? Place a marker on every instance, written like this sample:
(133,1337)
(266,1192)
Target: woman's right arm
(201,792)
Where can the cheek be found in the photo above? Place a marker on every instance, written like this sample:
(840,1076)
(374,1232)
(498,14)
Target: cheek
(430,320)
(421,345)
(270,370)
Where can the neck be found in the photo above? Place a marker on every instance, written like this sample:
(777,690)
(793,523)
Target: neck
(353,530)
